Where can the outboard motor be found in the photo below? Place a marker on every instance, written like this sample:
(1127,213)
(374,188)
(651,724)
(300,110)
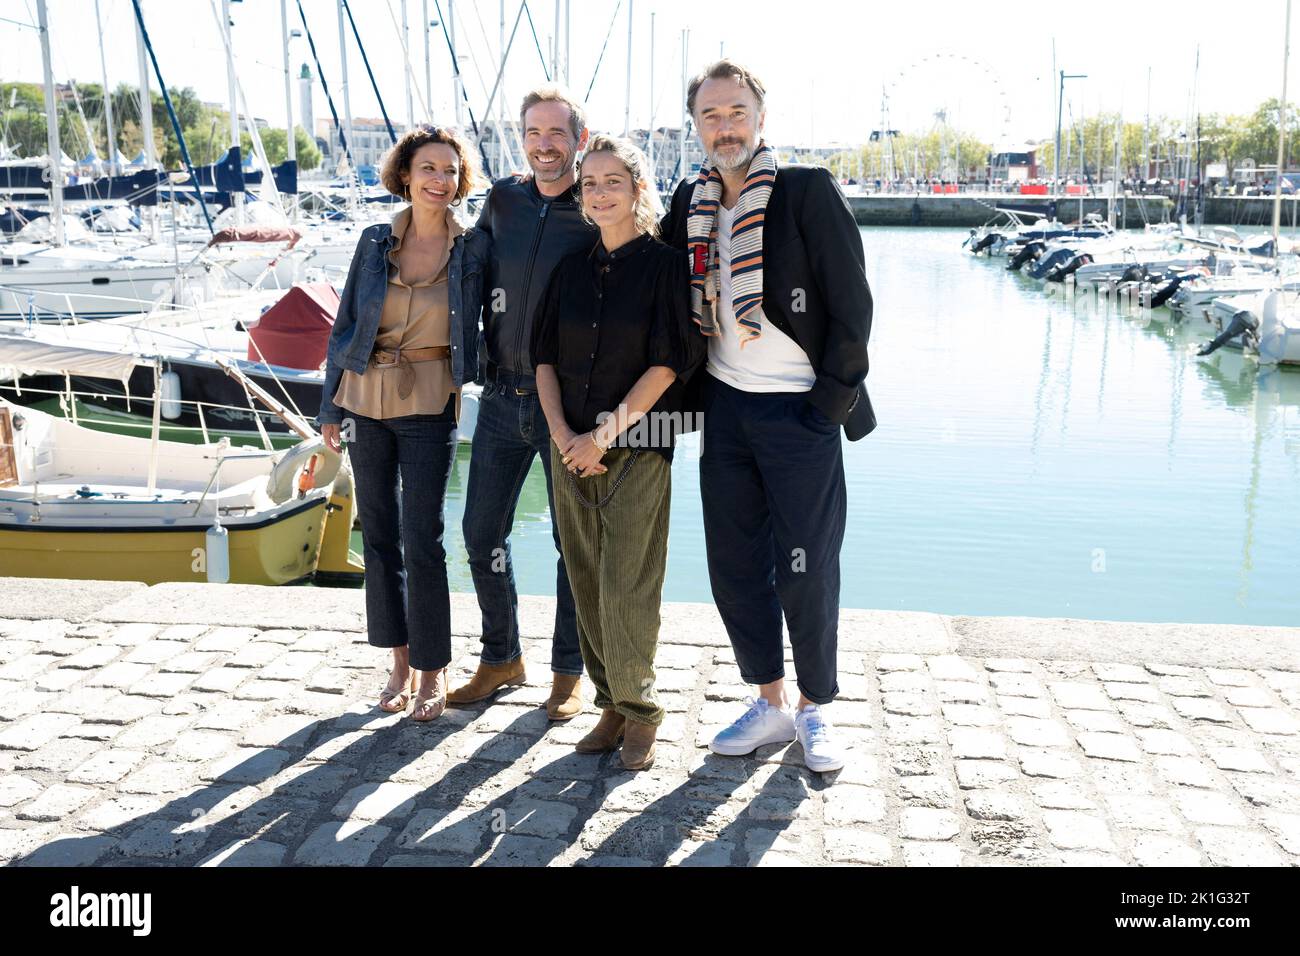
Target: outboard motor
(1045,264)
(1031,250)
(1244,323)
(1059,272)
(1166,291)
(985,243)
(1130,286)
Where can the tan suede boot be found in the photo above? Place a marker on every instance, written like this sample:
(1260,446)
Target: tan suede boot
(565,701)
(638,751)
(487,680)
(604,736)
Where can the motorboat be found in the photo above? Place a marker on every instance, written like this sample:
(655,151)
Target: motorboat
(1263,324)
(77,502)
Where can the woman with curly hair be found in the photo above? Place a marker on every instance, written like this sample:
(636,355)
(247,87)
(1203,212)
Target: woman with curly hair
(404,342)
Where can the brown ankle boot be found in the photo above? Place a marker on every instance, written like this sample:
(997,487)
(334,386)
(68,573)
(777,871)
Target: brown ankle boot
(604,736)
(564,702)
(487,680)
(638,751)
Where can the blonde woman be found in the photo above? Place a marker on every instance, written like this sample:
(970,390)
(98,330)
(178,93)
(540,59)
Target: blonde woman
(404,342)
(613,344)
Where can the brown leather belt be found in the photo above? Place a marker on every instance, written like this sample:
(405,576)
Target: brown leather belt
(402,358)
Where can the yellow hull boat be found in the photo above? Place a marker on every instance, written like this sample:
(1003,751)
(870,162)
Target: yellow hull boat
(80,503)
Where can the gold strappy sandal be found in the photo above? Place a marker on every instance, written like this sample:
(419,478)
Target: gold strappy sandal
(431,707)
(402,696)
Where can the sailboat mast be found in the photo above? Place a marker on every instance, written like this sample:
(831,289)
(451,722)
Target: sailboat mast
(1146,133)
(1281,142)
(290,141)
(108,99)
(347,99)
(681,132)
(1114,179)
(457,82)
(52,126)
(428,60)
(146,101)
(627,88)
(237,197)
(406,72)
(650,125)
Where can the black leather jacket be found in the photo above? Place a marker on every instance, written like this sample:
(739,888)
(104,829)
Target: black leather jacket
(530,234)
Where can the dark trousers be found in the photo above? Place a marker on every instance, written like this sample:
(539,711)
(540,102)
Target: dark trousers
(401,466)
(511,430)
(772,485)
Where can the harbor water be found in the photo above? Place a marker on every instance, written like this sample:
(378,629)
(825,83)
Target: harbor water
(1034,457)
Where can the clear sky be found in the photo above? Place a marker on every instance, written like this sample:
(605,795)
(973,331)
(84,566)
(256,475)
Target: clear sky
(990,67)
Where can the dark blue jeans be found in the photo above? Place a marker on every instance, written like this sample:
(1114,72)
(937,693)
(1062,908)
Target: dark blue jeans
(772,485)
(401,466)
(511,429)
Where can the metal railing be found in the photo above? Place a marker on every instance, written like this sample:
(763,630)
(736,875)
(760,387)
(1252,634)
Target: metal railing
(172,314)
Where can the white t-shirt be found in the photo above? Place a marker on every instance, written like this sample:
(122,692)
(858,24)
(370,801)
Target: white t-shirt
(773,362)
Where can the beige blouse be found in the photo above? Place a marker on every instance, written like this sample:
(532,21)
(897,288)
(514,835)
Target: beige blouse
(416,315)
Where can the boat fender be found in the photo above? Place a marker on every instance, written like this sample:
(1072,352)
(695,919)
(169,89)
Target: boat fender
(217,554)
(283,482)
(307,477)
(170,384)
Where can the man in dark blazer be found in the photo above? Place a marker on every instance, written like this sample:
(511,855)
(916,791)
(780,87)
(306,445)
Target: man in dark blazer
(784,376)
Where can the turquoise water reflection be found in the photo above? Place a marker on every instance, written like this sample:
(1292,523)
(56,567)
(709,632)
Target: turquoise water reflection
(1033,457)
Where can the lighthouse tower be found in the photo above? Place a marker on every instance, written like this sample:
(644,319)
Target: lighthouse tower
(304,104)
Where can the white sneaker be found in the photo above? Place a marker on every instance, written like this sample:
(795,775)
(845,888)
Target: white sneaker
(820,752)
(760,724)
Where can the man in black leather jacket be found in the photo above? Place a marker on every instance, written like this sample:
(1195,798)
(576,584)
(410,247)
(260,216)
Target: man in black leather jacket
(533,222)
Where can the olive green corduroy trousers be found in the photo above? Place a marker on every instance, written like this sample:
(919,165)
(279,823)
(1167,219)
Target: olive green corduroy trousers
(615,556)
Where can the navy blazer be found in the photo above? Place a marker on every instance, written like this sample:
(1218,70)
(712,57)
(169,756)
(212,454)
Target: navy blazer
(814,286)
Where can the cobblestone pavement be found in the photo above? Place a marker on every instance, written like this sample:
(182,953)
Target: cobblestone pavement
(131,743)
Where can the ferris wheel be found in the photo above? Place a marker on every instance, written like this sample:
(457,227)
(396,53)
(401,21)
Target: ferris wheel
(945,92)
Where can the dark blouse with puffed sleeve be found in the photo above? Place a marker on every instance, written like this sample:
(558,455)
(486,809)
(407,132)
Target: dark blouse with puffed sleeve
(604,319)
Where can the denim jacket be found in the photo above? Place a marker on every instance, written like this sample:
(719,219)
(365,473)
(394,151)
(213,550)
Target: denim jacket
(362,303)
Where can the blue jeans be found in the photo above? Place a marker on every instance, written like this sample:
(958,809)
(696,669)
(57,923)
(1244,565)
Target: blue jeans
(510,430)
(401,466)
(772,486)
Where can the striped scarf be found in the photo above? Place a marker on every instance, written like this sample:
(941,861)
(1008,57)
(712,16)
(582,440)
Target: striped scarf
(746,245)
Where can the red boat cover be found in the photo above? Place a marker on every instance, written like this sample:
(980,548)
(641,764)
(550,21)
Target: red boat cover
(295,331)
